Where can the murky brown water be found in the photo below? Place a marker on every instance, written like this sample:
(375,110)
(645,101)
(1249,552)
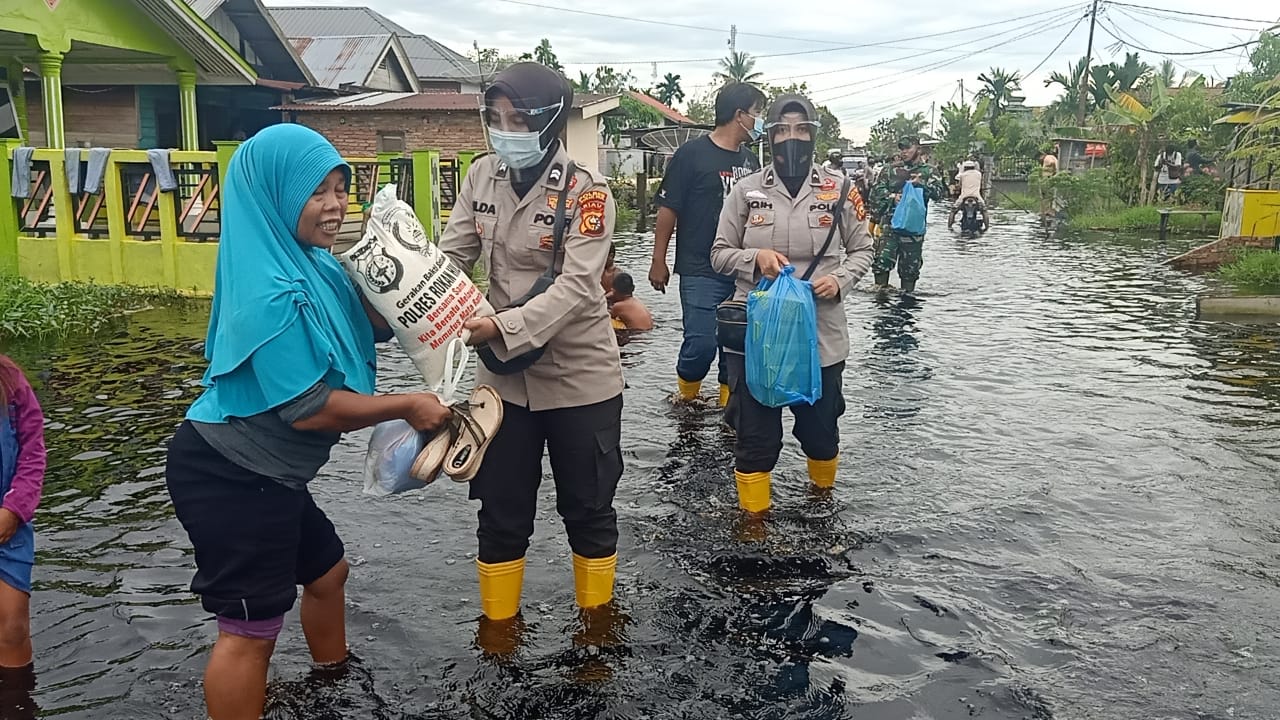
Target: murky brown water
(1058,500)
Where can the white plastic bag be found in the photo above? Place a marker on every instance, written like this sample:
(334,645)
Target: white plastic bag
(392,449)
(423,295)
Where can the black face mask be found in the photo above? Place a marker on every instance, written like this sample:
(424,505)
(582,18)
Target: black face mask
(793,158)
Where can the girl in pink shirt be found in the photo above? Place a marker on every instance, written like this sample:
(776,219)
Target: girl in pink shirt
(22,464)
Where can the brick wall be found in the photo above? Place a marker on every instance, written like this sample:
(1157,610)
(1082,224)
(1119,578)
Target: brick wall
(356,134)
(97,116)
(1220,252)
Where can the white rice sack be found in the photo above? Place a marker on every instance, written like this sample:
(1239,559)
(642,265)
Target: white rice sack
(424,297)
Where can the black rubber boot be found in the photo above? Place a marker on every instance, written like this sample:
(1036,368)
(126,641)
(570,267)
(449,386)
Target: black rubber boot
(908,287)
(882,279)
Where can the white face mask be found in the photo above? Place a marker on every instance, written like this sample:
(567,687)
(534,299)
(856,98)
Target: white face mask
(519,150)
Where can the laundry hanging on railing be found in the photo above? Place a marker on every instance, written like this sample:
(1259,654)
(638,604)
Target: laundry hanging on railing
(21,176)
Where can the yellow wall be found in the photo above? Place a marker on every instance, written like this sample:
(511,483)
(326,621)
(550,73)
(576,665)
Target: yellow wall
(1251,213)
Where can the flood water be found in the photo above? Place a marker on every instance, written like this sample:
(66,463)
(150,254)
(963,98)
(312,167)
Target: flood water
(1058,499)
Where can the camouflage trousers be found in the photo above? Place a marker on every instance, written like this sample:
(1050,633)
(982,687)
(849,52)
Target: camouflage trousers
(905,251)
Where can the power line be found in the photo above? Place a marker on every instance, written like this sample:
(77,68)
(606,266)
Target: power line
(1059,15)
(1056,47)
(1159,15)
(839,48)
(1036,27)
(1192,14)
(1156,28)
(941,64)
(1213,51)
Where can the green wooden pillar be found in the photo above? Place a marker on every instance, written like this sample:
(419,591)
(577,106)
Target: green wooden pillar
(187,106)
(224,149)
(18,91)
(426,190)
(465,158)
(9,221)
(51,84)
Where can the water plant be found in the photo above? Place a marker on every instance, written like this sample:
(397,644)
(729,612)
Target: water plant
(34,310)
(1254,269)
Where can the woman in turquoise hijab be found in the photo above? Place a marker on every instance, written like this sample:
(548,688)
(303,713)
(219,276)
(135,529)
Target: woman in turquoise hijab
(291,367)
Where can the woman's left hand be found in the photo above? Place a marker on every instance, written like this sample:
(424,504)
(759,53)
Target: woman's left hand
(826,288)
(483,329)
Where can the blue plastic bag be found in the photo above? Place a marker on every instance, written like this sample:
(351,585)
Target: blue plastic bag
(393,447)
(782,342)
(909,217)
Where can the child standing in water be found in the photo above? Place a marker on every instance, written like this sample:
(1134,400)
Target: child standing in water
(291,368)
(22,464)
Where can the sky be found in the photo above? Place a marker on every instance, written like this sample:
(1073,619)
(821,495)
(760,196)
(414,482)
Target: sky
(865,62)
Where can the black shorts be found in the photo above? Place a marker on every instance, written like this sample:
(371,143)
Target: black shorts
(255,539)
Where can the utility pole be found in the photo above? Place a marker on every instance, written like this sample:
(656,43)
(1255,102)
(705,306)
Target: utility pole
(1084,75)
(962,91)
(933,116)
(733,40)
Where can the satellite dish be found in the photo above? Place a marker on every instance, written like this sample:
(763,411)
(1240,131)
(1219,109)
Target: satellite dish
(670,138)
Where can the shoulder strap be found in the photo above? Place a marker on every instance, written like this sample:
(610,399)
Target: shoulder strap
(559,229)
(836,223)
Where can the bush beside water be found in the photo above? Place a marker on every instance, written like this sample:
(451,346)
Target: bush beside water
(1255,269)
(33,310)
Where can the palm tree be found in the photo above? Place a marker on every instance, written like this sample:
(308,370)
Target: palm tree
(1102,79)
(1064,108)
(1168,74)
(738,67)
(1132,74)
(545,55)
(999,85)
(669,89)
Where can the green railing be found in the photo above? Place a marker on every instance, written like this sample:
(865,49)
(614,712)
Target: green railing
(130,233)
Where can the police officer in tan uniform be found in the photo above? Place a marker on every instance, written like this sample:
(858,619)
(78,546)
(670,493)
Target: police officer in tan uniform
(568,402)
(781,216)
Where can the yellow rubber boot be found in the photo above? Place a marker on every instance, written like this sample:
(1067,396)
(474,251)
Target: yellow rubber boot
(500,585)
(753,491)
(593,580)
(823,472)
(724,395)
(688,390)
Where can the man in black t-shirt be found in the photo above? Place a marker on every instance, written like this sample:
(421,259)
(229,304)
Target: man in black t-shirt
(693,191)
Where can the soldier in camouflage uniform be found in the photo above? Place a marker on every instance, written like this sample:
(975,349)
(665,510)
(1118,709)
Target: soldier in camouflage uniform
(904,250)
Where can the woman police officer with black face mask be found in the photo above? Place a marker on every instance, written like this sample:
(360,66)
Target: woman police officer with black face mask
(783,215)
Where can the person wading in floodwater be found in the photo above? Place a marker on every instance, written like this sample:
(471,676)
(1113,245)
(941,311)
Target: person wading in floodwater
(776,217)
(700,176)
(291,368)
(900,248)
(550,351)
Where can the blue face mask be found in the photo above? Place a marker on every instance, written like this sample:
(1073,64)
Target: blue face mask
(757,129)
(519,150)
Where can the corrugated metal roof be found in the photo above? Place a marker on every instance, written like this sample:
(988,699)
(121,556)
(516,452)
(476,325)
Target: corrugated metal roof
(414,102)
(216,63)
(340,61)
(430,59)
(324,21)
(205,8)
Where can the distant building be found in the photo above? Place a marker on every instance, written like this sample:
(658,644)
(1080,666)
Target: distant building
(436,67)
(358,63)
(388,122)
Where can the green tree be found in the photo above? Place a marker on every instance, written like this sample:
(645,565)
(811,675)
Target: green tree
(490,61)
(738,67)
(1168,73)
(702,109)
(545,55)
(669,91)
(886,131)
(1132,73)
(1144,120)
(999,85)
(1063,110)
(1259,141)
(1251,86)
(964,128)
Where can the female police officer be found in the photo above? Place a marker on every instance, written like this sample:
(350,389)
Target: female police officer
(568,400)
(782,215)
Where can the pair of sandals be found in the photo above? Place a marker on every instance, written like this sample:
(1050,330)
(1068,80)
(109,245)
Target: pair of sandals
(458,447)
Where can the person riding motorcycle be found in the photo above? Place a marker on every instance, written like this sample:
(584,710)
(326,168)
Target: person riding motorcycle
(835,161)
(970,181)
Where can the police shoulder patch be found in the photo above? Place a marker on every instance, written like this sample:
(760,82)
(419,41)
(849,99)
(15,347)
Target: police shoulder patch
(591,211)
